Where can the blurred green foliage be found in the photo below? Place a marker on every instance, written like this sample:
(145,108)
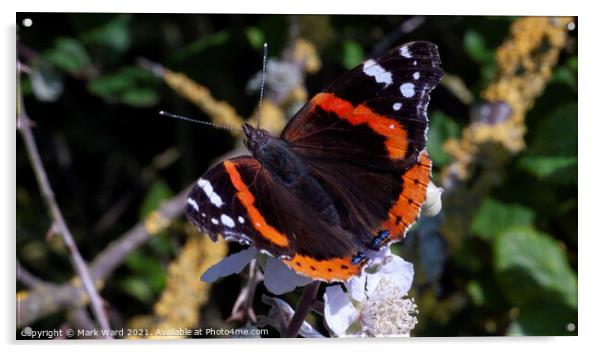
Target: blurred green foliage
(95,109)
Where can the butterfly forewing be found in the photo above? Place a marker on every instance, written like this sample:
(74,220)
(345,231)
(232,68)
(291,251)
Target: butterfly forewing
(365,135)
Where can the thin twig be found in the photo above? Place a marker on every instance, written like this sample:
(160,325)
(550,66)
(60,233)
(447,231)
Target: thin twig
(26,278)
(305,305)
(80,319)
(243,307)
(70,295)
(74,255)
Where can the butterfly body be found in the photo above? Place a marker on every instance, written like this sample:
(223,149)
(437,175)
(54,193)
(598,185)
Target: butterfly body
(347,175)
(289,170)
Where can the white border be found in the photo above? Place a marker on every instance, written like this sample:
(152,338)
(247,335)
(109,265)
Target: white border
(590,131)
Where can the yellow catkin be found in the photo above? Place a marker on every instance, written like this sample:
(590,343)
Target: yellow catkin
(22,295)
(525,61)
(272,117)
(220,112)
(155,223)
(184,292)
(306,53)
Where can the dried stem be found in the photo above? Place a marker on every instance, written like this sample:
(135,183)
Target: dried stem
(26,278)
(70,295)
(59,222)
(305,305)
(243,307)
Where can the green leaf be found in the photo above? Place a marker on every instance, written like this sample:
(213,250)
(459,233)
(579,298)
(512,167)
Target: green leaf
(147,267)
(476,47)
(531,266)
(112,36)
(69,55)
(565,75)
(557,132)
(138,288)
(544,318)
(46,82)
(493,217)
(544,166)
(139,97)
(441,129)
(476,292)
(572,63)
(131,85)
(255,36)
(353,54)
(201,44)
(157,193)
(552,149)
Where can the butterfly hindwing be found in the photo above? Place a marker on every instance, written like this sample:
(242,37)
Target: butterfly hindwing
(240,200)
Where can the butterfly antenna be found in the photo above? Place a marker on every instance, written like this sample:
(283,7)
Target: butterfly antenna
(219,126)
(263,71)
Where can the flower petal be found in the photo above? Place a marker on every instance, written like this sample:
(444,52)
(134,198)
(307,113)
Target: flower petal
(432,204)
(280,279)
(395,269)
(401,272)
(229,265)
(356,286)
(339,312)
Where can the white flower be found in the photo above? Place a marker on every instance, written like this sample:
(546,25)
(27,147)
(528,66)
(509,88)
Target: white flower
(281,78)
(278,278)
(432,204)
(374,304)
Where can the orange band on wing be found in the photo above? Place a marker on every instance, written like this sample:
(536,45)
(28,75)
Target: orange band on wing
(396,136)
(248,201)
(338,269)
(407,207)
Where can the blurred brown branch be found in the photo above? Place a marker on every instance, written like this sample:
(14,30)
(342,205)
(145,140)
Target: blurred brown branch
(50,298)
(59,223)
(26,278)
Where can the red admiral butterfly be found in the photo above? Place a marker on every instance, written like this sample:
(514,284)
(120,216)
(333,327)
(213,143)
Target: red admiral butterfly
(347,175)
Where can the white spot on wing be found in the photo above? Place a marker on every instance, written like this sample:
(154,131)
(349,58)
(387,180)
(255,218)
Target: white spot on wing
(227,221)
(405,52)
(241,220)
(193,203)
(391,126)
(214,221)
(407,89)
(371,68)
(397,106)
(208,189)
(416,75)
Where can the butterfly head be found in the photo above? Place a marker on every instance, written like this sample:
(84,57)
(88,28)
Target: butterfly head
(256,139)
